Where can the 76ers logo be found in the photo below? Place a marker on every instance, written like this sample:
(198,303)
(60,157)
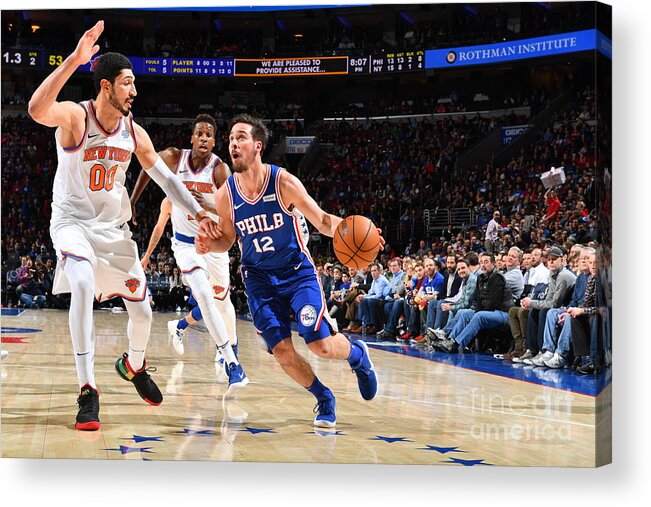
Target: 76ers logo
(308,315)
(132,284)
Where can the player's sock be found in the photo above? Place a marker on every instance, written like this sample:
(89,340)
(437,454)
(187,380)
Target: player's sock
(136,358)
(196,314)
(227,311)
(182,324)
(82,283)
(355,355)
(203,293)
(317,389)
(138,329)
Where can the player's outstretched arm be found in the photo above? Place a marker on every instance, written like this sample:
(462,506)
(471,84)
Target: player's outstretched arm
(157,233)
(294,194)
(43,107)
(170,183)
(204,244)
(170,156)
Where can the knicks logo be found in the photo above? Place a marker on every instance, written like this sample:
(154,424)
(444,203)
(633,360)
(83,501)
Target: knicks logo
(308,315)
(218,289)
(132,284)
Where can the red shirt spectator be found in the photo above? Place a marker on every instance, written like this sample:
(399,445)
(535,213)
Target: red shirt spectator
(553,205)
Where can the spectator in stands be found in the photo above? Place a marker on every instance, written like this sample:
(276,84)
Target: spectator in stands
(465,301)
(491,243)
(436,318)
(553,205)
(429,290)
(553,321)
(371,304)
(493,303)
(561,283)
(396,297)
(177,290)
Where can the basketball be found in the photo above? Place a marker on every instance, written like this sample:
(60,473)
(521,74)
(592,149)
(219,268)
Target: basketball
(356,242)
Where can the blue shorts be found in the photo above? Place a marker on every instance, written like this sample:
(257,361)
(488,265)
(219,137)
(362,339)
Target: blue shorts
(272,296)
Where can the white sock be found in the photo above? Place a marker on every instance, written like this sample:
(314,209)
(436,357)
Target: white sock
(203,293)
(138,330)
(81,278)
(227,311)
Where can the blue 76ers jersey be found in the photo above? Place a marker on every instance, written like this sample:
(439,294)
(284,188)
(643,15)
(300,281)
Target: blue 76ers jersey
(268,233)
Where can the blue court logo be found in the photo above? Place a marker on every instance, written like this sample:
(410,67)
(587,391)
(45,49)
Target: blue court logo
(308,315)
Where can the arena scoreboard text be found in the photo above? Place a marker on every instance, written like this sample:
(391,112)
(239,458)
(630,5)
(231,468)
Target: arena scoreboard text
(386,63)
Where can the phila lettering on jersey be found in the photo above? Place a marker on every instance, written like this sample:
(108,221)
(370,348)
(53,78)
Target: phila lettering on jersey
(89,181)
(268,233)
(202,180)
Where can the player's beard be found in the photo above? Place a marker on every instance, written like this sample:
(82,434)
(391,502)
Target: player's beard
(239,166)
(116,104)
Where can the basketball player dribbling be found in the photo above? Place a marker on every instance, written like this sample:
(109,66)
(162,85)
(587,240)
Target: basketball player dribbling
(95,140)
(256,207)
(203,173)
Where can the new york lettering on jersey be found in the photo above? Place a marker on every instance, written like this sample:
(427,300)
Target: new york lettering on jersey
(268,233)
(202,180)
(89,184)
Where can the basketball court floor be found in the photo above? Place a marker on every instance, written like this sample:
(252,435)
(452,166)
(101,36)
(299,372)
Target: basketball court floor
(431,408)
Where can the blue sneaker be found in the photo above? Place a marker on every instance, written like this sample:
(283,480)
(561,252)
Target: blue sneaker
(325,412)
(236,376)
(366,378)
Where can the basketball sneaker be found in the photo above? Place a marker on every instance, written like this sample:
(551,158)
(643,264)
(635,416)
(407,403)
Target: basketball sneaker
(236,376)
(88,415)
(177,336)
(325,411)
(146,387)
(366,377)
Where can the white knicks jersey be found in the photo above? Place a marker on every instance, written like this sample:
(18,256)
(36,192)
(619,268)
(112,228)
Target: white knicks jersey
(202,180)
(89,182)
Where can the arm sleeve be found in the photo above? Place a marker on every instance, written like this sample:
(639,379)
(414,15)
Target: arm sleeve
(173,187)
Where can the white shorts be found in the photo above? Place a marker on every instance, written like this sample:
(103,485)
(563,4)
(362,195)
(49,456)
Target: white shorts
(215,264)
(112,254)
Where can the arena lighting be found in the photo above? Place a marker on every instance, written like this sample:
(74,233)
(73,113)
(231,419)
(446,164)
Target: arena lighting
(298,35)
(35,28)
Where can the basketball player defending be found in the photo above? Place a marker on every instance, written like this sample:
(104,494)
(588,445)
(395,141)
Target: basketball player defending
(90,209)
(203,173)
(256,207)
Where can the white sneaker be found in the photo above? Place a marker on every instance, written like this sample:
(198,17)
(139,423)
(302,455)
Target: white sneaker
(556,361)
(540,359)
(440,334)
(524,357)
(177,336)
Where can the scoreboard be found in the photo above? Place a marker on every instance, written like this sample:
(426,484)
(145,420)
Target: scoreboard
(405,61)
(386,63)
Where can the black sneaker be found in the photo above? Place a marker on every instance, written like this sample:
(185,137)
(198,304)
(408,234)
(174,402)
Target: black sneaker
(146,387)
(88,415)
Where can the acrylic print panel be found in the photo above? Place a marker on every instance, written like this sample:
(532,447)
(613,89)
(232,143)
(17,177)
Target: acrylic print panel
(426,118)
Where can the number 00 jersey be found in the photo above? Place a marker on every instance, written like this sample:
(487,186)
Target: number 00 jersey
(89,182)
(268,233)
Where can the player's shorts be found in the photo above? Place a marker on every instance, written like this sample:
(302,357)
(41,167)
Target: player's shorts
(215,264)
(111,252)
(273,297)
